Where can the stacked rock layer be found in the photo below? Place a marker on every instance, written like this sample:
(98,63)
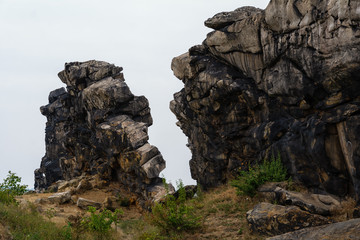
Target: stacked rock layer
(98,127)
(285,79)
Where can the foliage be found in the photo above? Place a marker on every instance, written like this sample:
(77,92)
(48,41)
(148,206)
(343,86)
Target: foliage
(12,185)
(175,215)
(10,188)
(6,198)
(101,222)
(269,171)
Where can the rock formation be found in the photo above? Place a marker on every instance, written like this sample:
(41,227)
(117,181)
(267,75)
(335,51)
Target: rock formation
(342,230)
(98,127)
(285,79)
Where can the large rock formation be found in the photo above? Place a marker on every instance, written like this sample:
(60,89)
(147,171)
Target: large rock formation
(285,79)
(98,127)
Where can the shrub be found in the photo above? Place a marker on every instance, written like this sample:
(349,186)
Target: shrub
(174,215)
(6,197)
(101,222)
(269,171)
(12,185)
(10,188)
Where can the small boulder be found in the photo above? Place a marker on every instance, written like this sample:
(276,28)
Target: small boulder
(158,191)
(111,203)
(83,186)
(322,204)
(84,203)
(272,220)
(60,198)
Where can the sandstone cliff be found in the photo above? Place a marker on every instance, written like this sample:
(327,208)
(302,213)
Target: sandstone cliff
(98,127)
(285,79)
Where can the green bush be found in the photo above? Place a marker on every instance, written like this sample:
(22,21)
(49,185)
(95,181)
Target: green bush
(174,215)
(12,185)
(100,223)
(10,188)
(269,171)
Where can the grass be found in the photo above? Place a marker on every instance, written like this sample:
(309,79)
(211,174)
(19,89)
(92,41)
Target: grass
(28,224)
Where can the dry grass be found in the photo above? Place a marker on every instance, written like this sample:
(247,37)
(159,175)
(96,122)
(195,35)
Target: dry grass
(224,215)
(345,212)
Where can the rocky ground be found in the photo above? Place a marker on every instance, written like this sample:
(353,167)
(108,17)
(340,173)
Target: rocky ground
(273,211)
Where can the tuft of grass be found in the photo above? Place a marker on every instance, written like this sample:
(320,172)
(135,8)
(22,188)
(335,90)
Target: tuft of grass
(269,171)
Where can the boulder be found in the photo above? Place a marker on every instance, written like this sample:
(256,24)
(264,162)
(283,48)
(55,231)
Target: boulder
(97,127)
(60,198)
(159,191)
(280,80)
(84,203)
(341,230)
(322,204)
(271,219)
(83,186)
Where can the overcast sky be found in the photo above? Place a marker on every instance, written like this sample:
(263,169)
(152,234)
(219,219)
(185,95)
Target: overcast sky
(38,36)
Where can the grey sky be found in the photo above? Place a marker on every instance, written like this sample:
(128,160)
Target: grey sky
(142,36)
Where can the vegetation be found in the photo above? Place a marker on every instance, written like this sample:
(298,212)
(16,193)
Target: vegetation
(269,171)
(28,224)
(10,188)
(100,223)
(208,215)
(175,215)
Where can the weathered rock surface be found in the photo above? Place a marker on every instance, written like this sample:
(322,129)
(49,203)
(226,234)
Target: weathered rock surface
(60,197)
(342,230)
(322,204)
(97,127)
(84,203)
(284,79)
(271,219)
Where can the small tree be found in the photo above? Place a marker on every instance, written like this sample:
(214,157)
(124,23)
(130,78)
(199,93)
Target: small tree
(11,187)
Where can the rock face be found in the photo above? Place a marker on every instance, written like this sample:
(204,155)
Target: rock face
(341,230)
(98,127)
(285,79)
